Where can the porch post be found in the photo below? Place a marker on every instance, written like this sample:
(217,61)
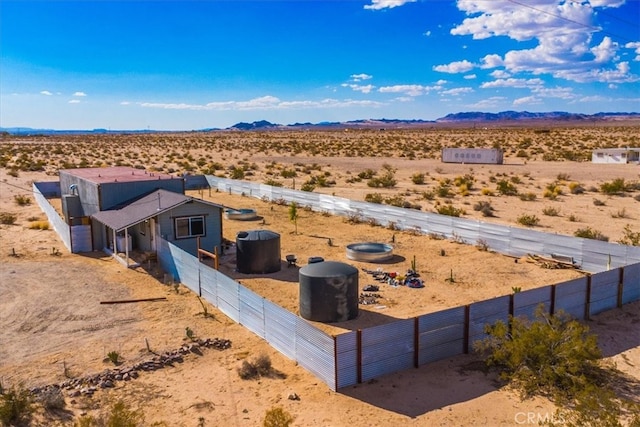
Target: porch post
(126,246)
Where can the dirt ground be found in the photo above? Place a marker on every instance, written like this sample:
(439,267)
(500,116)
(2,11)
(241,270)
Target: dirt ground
(53,327)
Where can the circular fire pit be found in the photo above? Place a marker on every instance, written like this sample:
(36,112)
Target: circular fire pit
(241,214)
(369,252)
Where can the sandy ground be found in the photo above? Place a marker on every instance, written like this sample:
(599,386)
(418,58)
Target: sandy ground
(52,325)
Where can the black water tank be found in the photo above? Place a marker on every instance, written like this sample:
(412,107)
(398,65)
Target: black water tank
(328,292)
(257,252)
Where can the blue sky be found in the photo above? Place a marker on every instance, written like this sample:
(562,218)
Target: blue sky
(187,65)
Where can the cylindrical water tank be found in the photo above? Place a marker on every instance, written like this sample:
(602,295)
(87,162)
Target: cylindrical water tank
(257,252)
(328,292)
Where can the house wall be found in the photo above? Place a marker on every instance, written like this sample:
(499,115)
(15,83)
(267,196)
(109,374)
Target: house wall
(115,193)
(213,227)
(88,192)
(605,157)
(472,155)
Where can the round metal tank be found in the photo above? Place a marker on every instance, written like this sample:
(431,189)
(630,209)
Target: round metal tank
(369,252)
(328,292)
(257,252)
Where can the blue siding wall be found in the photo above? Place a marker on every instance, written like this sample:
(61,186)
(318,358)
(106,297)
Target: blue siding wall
(114,193)
(213,226)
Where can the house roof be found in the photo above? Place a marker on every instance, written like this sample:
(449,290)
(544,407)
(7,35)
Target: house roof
(116,174)
(137,210)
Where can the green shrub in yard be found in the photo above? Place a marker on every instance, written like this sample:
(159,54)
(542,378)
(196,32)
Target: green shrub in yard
(277,417)
(450,210)
(16,406)
(589,233)
(617,186)
(528,220)
(22,200)
(557,357)
(506,188)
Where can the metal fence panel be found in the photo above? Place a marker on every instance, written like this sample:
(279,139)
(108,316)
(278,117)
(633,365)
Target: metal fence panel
(81,240)
(525,242)
(40,189)
(387,348)
(487,312)
(251,311)
(525,303)
(497,237)
(466,230)
(187,268)
(280,329)
(631,283)
(228,301)
(602,256)
(604,291)
(315,352)
(346,359)
(209,284)
(571,297)
(441,335)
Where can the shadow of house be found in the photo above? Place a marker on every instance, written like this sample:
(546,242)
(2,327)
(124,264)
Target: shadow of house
(119,209)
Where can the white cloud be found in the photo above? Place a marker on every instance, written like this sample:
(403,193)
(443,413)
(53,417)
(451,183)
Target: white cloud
(500,74)
(79,94)
(74,101)
(360,77)
(412,90)
(470,77)
(605,51)
(125,103)
(636,46)
(261,103)
(360,88)
(384,4)
(556,92)
(457,91)
(511,82)
(562,33)
(427,33)
(455,67)
(528,100)
(46,92)
(489,103)
(492,61)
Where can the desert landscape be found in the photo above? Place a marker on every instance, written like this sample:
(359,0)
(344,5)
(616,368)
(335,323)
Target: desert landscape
(54,328)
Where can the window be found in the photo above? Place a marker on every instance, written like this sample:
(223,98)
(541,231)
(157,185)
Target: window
(192,226)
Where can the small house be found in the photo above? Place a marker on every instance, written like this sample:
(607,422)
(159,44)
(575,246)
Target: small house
(616,155)
(493,156)
(123,209)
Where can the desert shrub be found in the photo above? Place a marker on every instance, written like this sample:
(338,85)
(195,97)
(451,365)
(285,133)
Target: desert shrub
(589,233)
(397,201)
(444,191)
(8,218)
(551,211)
(387,180)
(617,186)
(374,198)
(552,191)
(598,202)
(573,218)
(52,399)
(237,173)
(636,197)
(308,187)
(523,154)
(114,357)
(557,357)
(263,364)
(528,220)
(484,207)
(576,188)
(272,182)
(622,213)
(417,178)
(366,174)
(277,417)
(13,172)
(486,192)
(482,245)
(630,237)
(527,197)
(16,406)
(247,370)
(22,200)
(428,195)
(506,188)
(563,176)
(288,173)
(449,210)
(39,225)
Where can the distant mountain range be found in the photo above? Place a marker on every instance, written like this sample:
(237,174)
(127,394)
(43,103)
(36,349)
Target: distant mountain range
(511,117)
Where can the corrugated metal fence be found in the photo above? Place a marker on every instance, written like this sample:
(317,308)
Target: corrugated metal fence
(592,255)
(288,333)
(358,356)
(41,192)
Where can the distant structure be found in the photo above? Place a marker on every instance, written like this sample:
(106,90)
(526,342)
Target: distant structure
(616,155)
(493,156)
